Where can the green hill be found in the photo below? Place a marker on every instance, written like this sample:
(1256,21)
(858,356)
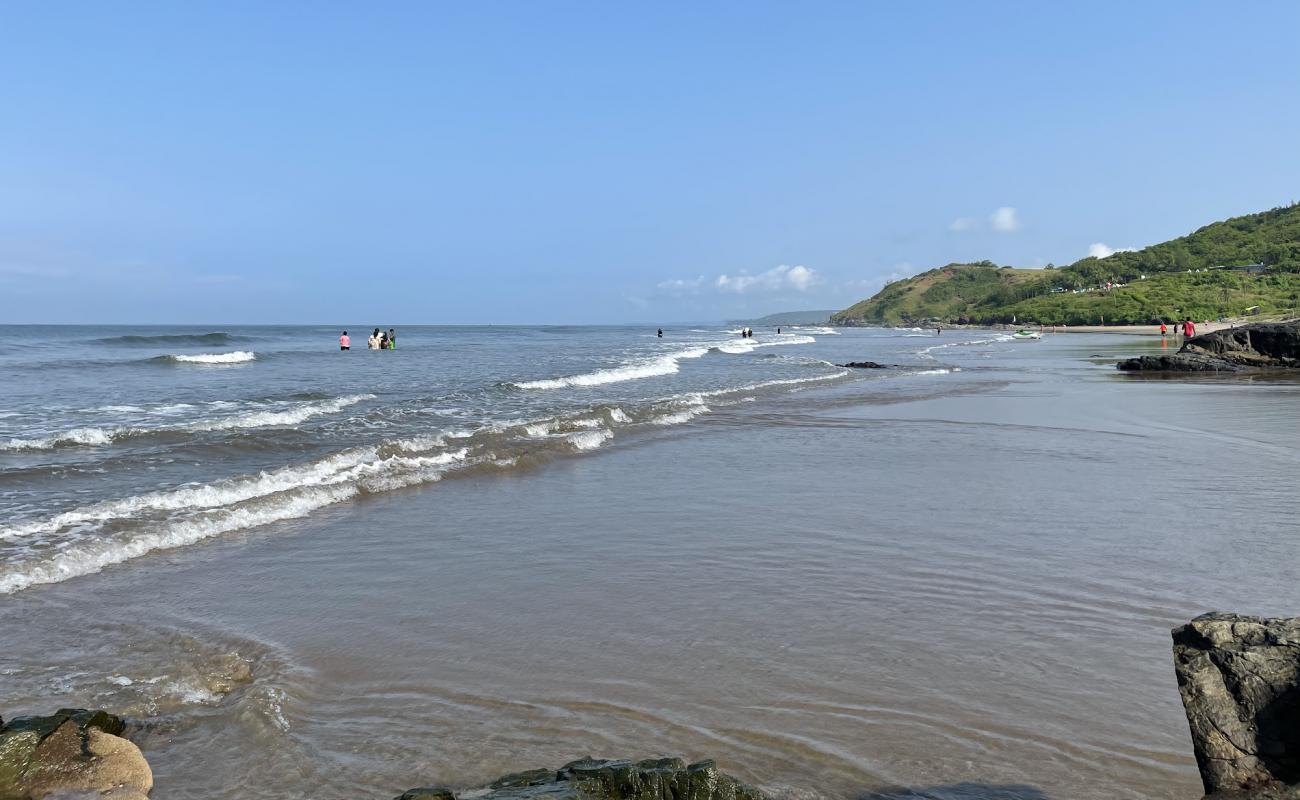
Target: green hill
(1184,277)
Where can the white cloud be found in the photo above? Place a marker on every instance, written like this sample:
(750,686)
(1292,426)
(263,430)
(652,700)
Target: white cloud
(1005,220)
(678,284)
(1099,250)
(799,278)
(963,224)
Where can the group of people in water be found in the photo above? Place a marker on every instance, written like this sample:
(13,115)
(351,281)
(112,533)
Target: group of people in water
(379,340)
(1189,328)
(746,333)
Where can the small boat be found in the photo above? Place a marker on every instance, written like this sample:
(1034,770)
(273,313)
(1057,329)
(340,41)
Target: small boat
(1024,334)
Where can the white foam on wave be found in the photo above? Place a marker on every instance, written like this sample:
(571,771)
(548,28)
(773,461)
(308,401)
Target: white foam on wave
(747,345)
(332,480)
(237,357)
(88,556)
(938,371)
(649,368)
(590,440)
(684,415)
(751,387)
(291,416)
(198,497)
(77,436)
(98,437)
(927,352)
(821,330)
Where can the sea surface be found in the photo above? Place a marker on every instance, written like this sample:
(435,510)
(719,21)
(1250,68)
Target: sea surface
(306,572)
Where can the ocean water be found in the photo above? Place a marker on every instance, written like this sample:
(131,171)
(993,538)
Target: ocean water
(499,548)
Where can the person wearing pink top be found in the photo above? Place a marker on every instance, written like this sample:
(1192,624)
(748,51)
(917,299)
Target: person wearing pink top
(345,341)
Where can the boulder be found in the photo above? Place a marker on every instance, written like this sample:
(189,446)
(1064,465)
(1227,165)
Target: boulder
(864,365)
(598,779)
(1239,678)
(70,751)
(1266,344)
(1178,362)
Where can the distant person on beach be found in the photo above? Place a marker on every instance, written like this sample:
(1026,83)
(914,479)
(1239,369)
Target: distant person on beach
(345,341)
(1189,328)
(1163,330)
(392,339)
(778,330)
(373,341)
(938,331)
(660,333)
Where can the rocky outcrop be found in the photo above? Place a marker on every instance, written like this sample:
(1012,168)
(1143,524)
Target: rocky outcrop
(596,779)
(1274,344)
(73,752)
(1239,678)
(865,365)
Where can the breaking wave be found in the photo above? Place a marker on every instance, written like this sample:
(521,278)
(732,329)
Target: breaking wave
(237,357)
(820,330)
(662,365)
(98,437)
(85,540)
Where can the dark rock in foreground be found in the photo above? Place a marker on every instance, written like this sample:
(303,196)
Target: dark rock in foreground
(596,779)
(1239,678)
(865,365)
(73,751)
(1272,344)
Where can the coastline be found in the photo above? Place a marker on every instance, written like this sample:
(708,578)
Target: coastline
(893,620)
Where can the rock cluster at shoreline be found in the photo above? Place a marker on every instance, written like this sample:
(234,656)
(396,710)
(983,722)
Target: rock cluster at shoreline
(1239,678)
(73,752)
(597,779)
(1232,350)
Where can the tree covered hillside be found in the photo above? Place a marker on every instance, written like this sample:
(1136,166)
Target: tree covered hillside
(1188,276)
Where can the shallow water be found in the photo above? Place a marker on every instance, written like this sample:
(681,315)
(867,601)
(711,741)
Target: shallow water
(958,576)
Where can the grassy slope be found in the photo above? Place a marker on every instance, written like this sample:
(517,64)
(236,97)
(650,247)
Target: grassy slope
(984,293)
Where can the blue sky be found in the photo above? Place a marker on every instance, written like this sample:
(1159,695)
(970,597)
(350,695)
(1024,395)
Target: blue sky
(606,162)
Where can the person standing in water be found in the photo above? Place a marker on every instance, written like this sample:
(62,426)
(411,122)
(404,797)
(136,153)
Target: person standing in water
(1189,328)
(660,333)
(373,342)
(1163,328)
(392,339)
(345,341)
